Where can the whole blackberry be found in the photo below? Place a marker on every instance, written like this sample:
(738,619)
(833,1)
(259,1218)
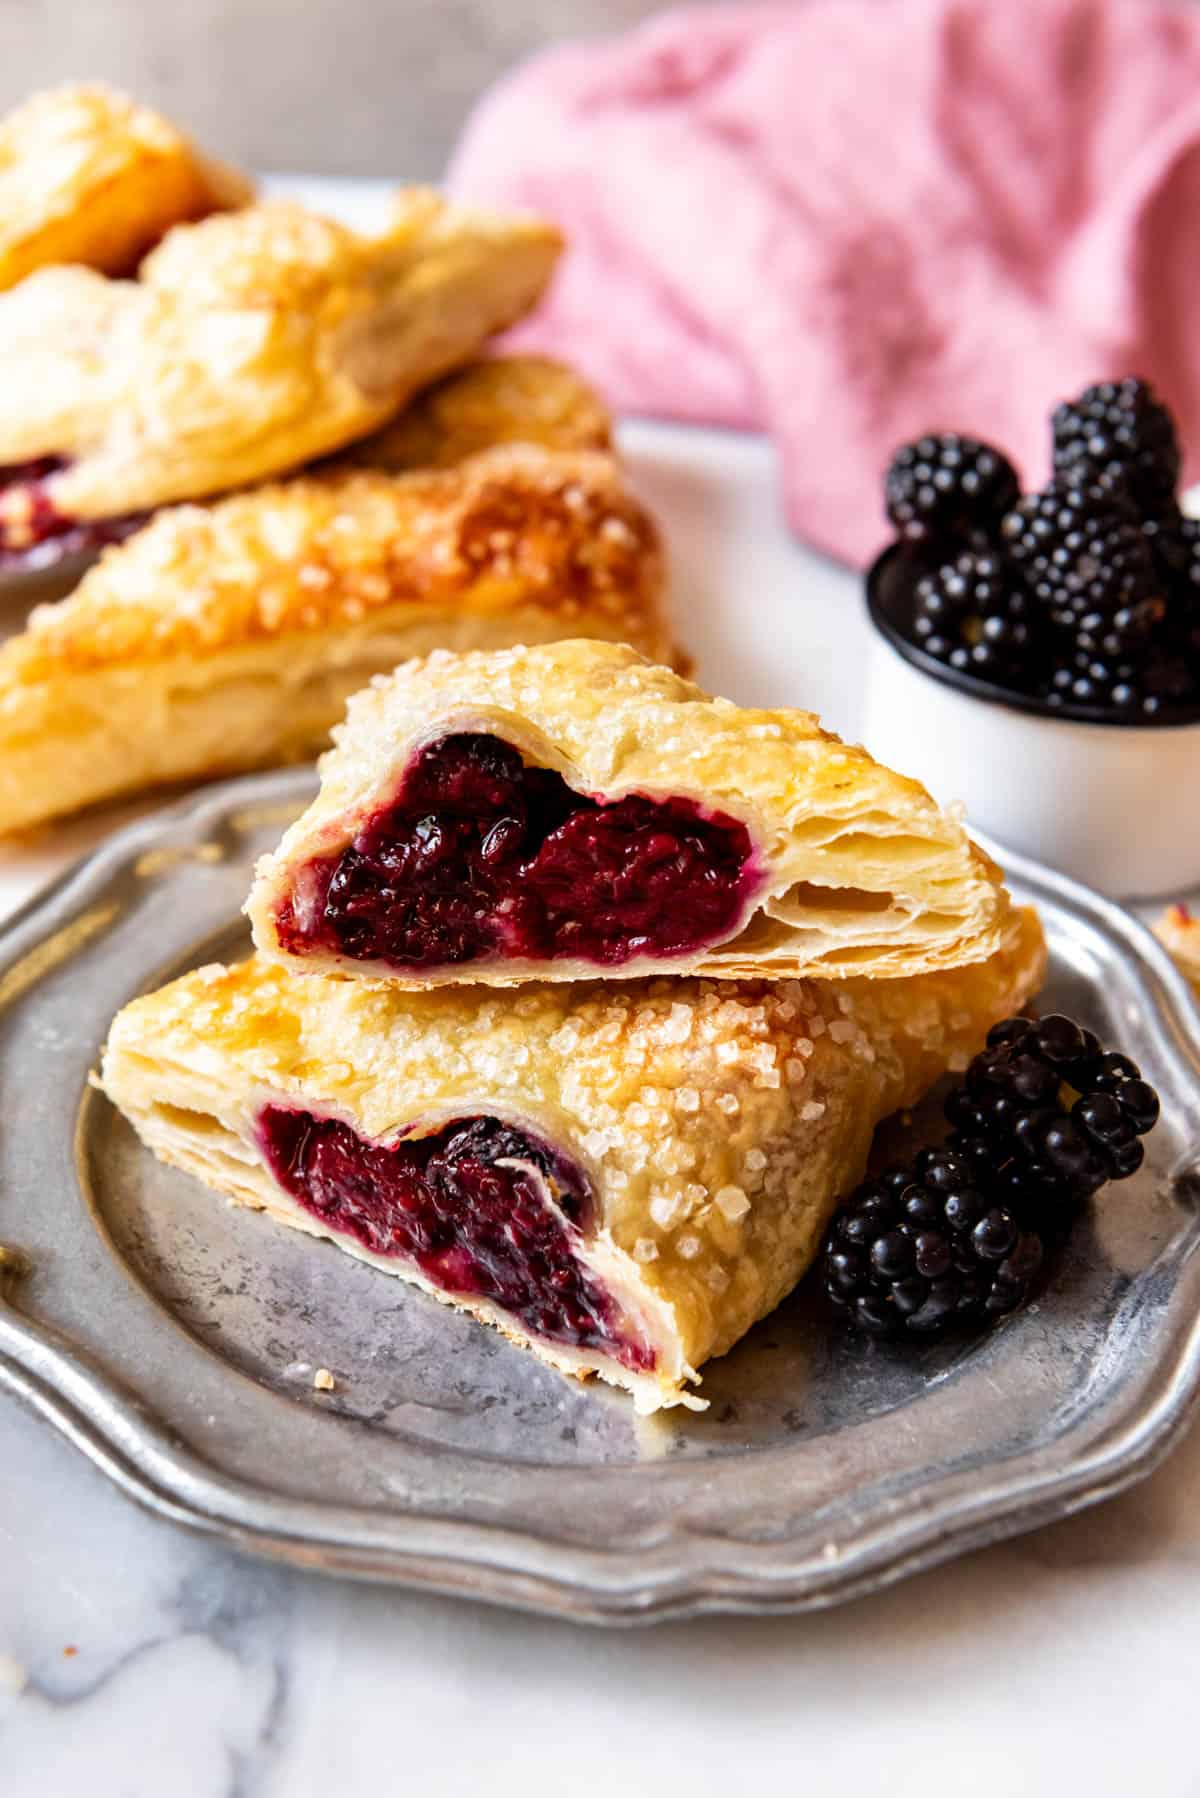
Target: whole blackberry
(924,1247)
(1044,1117)
(1083,556)
(1030,1089)
(972,615)
(1119,431)
(945,489)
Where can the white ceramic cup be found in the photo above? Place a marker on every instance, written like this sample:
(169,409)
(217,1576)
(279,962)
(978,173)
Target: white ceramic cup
(1116,806)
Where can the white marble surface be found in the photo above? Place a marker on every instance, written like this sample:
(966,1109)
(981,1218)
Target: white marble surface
(1059,1664)
(137,1661)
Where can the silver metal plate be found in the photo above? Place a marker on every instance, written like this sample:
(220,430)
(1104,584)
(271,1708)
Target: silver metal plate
(173,1339)
(24,587)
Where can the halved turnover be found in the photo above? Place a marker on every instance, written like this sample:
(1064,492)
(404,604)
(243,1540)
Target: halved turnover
(622,1179)
(553,812)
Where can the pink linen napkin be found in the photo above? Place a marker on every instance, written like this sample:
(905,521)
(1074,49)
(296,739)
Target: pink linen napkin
(849,221)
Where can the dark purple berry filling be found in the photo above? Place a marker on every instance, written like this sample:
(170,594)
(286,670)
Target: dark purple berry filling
(35,534)
(480,856)
(463,1206)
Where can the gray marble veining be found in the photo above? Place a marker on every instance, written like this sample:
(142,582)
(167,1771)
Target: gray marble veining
(1061,1662)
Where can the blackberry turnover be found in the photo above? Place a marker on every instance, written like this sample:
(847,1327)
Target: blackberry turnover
(90,177)
(236,632)
(248,344)
(1043,1119)
(622,1178)
(1085,595)
(561,811)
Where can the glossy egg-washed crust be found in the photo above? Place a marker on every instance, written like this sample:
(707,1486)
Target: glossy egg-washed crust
(502,399)
(87,176)
(861,873)
(231,636)
(716,1124)
(250,343)
(1178,930)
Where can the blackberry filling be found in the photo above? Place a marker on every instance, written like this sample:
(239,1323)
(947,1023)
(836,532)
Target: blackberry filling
(34,534)
(466,1208)
(481,856)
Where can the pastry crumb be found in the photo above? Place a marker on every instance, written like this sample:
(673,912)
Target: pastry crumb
(323,1380)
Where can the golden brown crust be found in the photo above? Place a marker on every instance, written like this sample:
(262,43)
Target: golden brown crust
(859,870)
(251,343)
(235,633)
(87,176)
(514,526)
(503,399)
(717,1124)
(1178,930)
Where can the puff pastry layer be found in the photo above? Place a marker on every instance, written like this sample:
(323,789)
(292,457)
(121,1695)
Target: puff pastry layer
(90,177)
(251,343)
(230,637)
(795,854)
(692,1136)
(503,399)
(1178,930)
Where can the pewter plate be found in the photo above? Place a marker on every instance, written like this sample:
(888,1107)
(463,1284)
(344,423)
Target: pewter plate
(173,1339)
(24,587)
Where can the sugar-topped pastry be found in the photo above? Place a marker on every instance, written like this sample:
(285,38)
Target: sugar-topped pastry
(556,812)
(88,176)
(622,1178)
(230,637)
(250,343)
(501,399)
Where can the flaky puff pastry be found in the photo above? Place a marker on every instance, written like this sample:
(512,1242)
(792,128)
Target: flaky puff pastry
(852,869)
(251,343)
(1178,930)
(88,176)
(714,1126)
(503,399)
(230,637)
